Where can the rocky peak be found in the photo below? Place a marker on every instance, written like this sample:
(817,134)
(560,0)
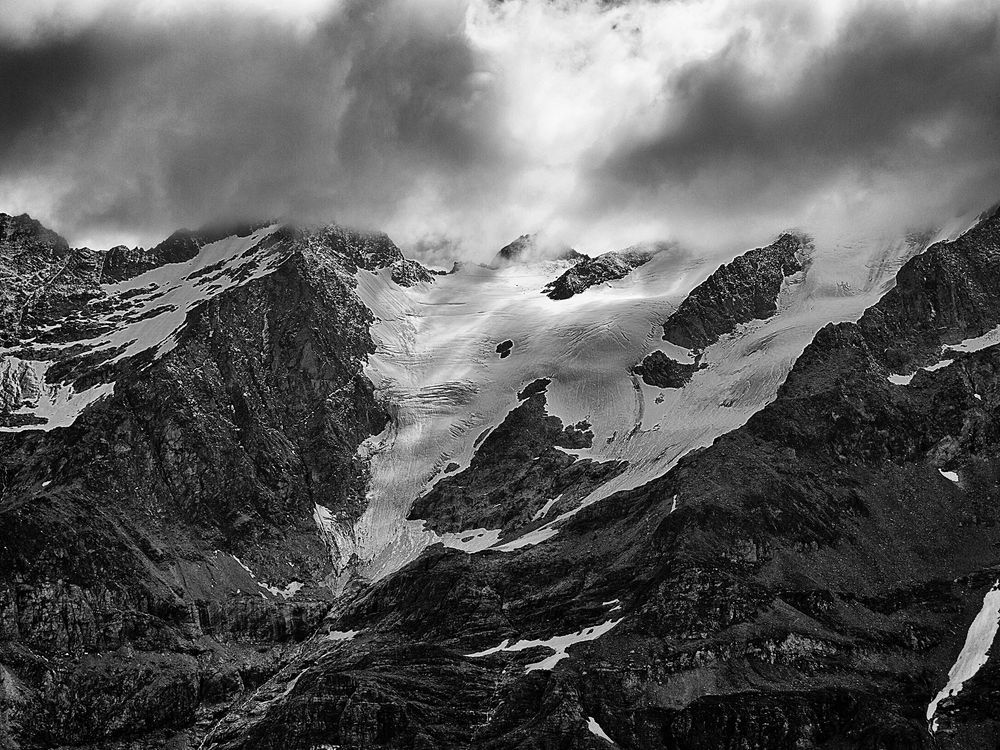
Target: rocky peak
(589,272)
(39,273)
(22,233)
(528,247)
(737,292)
(121,263)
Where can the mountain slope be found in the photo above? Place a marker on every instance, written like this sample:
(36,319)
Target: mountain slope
(806,581)
(285,488)
(157,540)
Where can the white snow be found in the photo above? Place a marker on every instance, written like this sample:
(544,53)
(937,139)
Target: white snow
(436,366)
(286,592)
(974,653)
(939,365)
(336,534)
(341,635)
(472,540)
(559,645)
(58,404)
(950,475)
(977,343)
(544,510)
(595,728)
(905,379)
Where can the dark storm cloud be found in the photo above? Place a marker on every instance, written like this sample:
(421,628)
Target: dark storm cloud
(715,122)
(151,127)
(903,90)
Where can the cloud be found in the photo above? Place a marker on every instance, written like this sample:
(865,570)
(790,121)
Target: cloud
(461,124)
(896,115)
(132,126)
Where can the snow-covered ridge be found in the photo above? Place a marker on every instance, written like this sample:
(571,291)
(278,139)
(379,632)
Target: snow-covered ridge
(135,316)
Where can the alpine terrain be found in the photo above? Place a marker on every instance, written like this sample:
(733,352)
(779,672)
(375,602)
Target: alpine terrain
(279,486)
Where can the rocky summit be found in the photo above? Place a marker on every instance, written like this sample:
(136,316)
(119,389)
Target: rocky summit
(272,486)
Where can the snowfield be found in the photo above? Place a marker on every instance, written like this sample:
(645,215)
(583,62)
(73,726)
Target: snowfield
(437,368)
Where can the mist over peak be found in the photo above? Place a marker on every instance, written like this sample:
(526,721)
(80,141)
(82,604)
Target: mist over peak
(457,125)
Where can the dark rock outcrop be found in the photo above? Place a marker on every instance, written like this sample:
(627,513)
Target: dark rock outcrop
(41,277)
(521,475)
(660,371)
(140,548)
(745,289)
(593,271)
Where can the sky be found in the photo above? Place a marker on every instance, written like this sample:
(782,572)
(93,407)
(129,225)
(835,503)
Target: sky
(457,125)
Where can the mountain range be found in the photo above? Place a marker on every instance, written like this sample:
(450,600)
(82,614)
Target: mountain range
(278,486)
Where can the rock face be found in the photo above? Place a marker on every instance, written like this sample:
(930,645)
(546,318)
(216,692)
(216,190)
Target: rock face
(738,292)
(661,371)
(158,556)
(41,277)
(745,289)
(520,476)
(807,581)
(593,271)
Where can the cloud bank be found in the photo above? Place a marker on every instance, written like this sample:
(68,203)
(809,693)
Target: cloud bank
(456,125)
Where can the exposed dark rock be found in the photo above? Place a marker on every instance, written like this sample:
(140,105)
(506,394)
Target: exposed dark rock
(40,277)
(745,289)
(515,472)
(406,272)
(504,348)
(124,615)
(661,371)
(593,271)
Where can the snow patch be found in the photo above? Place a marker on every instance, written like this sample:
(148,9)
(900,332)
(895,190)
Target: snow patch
(974,653)
(905,379)
(341,635)
(56,404)
(472,540)
(544,510)
(977,343)
(595,729)
(949,475)
(559,645)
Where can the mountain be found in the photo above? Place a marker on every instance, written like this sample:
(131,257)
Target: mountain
(280,487)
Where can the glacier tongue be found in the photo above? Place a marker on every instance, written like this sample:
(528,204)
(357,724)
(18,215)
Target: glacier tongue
(439,370)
